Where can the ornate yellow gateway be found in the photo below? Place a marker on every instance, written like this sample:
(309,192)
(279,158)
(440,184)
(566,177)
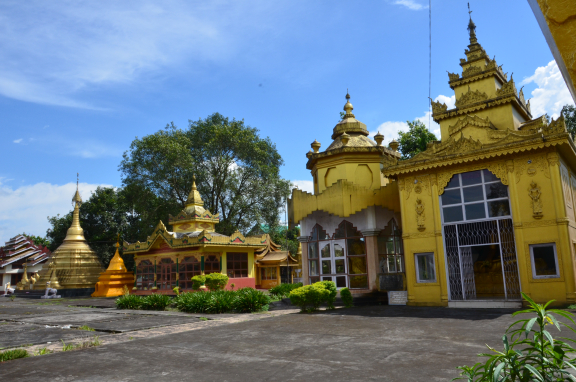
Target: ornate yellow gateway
(477,218)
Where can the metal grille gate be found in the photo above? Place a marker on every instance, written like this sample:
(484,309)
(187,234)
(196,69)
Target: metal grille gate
(459,237)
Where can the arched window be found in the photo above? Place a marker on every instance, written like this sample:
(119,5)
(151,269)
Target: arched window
(355,254)
(317,240)
(390,250)
(212,265)
(189,267)
(145,275)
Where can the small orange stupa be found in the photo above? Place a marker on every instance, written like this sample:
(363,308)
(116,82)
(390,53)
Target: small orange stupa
(112,282)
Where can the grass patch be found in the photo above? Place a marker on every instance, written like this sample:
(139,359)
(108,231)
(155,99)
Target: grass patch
(42,351)
(203,319)
(13,354)
(573,306)
(83,345)
(85,327)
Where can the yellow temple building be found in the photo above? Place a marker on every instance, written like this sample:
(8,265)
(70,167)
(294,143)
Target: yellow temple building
(74,267)
(170,259)
(479,217)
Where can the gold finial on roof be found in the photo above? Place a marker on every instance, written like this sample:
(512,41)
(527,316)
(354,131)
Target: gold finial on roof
(194,196)
(472,28)
(348,107)
(76,199)
(116,263)
(379,138)
(315,145)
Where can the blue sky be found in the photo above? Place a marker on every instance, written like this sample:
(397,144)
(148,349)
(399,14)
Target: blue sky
(80,80)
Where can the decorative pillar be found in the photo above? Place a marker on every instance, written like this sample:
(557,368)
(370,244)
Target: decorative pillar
(177,274)
(223,263)
(305,276)
(441,256)
(202,264)
(155,275)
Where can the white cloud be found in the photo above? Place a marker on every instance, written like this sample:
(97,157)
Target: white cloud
(390,129)
(17,140)
(410,4)
(59,50)
(26,208)
(551,94)
(304,185)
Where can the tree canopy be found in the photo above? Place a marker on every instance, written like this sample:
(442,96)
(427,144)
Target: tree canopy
(415,139)
(237,171)
(569,113)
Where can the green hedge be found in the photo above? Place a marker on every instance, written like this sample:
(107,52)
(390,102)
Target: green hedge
(309,297)
(346,297)
(216,281)
(198,281)
(245,300)
(129,301)
(283,290)
(150,302)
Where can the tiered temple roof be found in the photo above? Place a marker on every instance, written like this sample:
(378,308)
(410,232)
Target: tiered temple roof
(22,249)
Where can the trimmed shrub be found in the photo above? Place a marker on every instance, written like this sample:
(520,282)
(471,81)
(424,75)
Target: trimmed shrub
(283,290)
(155,302)
(346,297)
(251,300)
(13,354)
(128,301)
(222,301)
(332,292)
(207,302)
(198,281)
(216,281)
(309,297)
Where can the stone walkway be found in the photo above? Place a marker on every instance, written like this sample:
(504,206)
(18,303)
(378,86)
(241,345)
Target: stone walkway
(358,344)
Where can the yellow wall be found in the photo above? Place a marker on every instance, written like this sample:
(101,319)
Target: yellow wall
(553,227)
(361,168)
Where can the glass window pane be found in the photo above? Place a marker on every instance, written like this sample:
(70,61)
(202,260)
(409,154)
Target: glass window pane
(356,247)
(325,251)
(312,250)
(357,265)
(544,260)
(357,282)
(499,208)
(469,178)
(399,265)
(314,280)
(425,266)
(329,278)
(338,250)
(341,282)
(451,197)
(488,176)
(383,264)
(453,214)
(399,247)
(391,264)
(496,190)
(390,246)
(340,266)
(326,267)
(475,211)
(454,182)
(382,240)
(313,268)
(472,194)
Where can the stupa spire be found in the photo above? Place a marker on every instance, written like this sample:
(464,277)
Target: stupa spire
(75,232)
(472,28)
(116,263)
(194,197)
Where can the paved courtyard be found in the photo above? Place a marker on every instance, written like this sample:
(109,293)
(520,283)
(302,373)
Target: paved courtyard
(358,344)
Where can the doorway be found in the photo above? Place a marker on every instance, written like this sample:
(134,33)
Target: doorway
(333,262)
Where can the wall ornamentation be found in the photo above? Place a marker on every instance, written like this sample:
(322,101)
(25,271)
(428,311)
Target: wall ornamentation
(532,164)
(420,216)
(535,193)
(497,168)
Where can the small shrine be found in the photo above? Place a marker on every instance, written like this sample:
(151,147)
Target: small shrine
(74,267)
(477,218)
(169,259)
(114,281)
(20,261)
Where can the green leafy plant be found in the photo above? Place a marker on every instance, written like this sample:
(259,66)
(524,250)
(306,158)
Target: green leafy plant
(177,291)
(309,297)
(198,281)
(9,355)
(533,354)
(250,300)
(12,297)
(331,288)
(42,351)
(346,297)
(67,347)
(86,327)
(207,302)
(216,281)
(155,302)
(283,290)
(128,302)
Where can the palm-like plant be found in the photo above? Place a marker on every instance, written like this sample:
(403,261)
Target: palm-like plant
(533,354)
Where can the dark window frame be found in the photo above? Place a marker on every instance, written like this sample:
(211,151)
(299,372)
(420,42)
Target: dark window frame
(237,265)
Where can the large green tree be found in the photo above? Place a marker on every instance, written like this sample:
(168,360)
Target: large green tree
(415,139)
(237,171)
(569,113)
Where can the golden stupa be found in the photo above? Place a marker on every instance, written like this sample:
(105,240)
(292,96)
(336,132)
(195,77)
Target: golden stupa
(112,283)
(74,267)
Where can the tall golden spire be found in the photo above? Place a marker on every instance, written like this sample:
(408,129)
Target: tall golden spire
(472,28)
(75,232)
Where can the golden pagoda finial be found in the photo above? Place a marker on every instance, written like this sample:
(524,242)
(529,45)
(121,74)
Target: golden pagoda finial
(76,199)
(348,107)
(472,28)
(194,196)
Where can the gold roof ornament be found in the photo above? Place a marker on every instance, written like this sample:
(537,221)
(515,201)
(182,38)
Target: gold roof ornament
(394,145)
(315,145)
(349,124)
(379,138)
(194,197)
(194,217)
